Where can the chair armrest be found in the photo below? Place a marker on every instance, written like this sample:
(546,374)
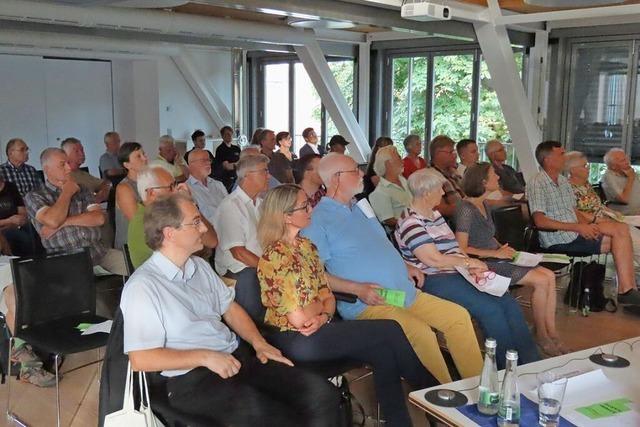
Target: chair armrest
(345,297)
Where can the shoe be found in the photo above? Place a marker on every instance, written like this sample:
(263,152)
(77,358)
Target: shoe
(548,348)
(32,372)
(630,298)
(24,354)
(561,346)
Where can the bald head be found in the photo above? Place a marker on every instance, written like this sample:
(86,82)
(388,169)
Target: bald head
(341,176)
(199,164)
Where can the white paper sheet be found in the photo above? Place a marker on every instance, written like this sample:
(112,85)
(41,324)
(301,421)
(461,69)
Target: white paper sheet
(366,208)
(104,327)
(496,286)
(517,196)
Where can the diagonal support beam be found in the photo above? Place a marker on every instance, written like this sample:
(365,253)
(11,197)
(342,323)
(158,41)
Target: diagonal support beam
(315,63)
(497,52)
(205,93)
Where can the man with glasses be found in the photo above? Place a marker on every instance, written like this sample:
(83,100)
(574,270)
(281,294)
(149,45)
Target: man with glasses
(509,179)
(16,169)
(236,220)
(207,192)
(152,183)
(443,158)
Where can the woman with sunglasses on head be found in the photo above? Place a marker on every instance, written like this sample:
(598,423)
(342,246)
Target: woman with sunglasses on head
(299,303)
(475,234)
(426,242)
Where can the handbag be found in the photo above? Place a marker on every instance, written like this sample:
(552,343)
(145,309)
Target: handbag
(128,416)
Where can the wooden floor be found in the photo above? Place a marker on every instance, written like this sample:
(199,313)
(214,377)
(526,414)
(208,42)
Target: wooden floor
(79,389)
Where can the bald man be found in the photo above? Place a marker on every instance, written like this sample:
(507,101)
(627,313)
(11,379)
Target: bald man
(509,180)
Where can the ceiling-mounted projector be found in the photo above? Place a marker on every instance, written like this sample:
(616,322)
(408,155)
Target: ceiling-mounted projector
(425,11)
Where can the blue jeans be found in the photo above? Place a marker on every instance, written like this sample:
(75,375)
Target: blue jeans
(499,318)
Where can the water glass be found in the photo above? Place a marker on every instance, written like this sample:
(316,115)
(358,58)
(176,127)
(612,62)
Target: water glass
(551,388)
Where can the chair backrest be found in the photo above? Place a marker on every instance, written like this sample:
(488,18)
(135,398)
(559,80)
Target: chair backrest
(114,370)
(510,226)
(52,287)
(127,259)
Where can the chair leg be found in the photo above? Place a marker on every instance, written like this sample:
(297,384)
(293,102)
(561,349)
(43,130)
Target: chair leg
(56,361)
(9,414)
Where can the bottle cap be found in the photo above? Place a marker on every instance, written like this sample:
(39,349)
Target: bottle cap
(512,355)
(490,343)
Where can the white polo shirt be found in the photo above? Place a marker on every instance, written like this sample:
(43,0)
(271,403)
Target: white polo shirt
(236,223)
(166,307)
(208,197)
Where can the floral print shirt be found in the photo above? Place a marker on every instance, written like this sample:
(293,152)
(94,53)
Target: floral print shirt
(587,200)
(291,277)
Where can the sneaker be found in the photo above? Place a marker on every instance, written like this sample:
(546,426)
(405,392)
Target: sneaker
(24,354)
(33,373)
(630,298)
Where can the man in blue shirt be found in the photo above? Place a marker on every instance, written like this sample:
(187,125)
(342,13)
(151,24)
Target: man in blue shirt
(360,260)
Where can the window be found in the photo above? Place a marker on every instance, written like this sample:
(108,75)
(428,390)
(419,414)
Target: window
(307,104)
(409,99)
(452,93)
(276,88)
(343,72)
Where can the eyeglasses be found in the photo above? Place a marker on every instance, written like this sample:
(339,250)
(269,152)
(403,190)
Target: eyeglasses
(486,276)
(355,170)
(447,151)
(305,207)
(263,171)
(196,223)
(169,187)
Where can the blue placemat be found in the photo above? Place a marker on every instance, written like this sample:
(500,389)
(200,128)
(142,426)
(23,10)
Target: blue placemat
(528,415)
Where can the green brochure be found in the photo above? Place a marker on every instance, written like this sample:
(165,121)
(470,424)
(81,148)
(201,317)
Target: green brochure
(392,297)
(605,409)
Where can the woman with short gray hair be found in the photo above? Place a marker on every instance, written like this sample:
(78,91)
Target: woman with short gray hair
(426,242)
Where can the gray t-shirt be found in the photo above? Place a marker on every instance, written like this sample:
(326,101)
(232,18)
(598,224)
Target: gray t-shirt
(166,307)
(613,186)
(109,161)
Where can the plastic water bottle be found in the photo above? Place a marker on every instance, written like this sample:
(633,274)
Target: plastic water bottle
(585,307)
(509,406)
(488,390)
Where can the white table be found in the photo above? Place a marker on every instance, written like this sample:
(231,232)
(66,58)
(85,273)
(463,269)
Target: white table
(628,377)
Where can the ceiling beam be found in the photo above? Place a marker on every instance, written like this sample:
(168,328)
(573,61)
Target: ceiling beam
(572,14)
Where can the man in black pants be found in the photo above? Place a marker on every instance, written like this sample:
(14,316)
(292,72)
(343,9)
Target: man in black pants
(176,311)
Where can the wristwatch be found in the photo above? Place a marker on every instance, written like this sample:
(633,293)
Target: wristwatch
(329,316)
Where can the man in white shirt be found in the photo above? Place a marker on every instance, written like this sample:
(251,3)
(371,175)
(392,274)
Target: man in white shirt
(311,146)
(181,320)
(168,158)
(207,192)
(236,221)
(392,194)
(620,183)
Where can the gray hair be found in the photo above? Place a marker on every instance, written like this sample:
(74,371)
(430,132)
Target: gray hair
(424,181)
(571,159)
(166,140)
(384,154)
(47,153)
(248,162)
(68,142)
(146,179)
(328,166)
(489,148)
(607,156)
(250,150)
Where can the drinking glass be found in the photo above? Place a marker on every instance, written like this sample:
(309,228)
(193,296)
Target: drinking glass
(551,388)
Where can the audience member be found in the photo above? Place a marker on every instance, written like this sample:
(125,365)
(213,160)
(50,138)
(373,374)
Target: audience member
(168,158)
(110,166)
(154,182)
(16,169)
(370,178)
(300,304)
(427,242)
(360,260)
(255,150)
(199,141)
(75,158)
(311,143)
(392,194)
(66,215)
(281,164)
(306,174)
(255,136)
(509,179)
(443,159)
(180,319)
(236,221)
(132,157)
(620,183)
(207,193)
(226,159)
(553,207)
(468,153)
(14,226)
(475,234)
(413,161)
(589,206)
(337,144)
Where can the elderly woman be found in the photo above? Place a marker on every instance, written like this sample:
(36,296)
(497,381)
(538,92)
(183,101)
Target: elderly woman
(413,161)
(295,291)
(392,194)
(370,178)
(590,207)
(427,242)
(132,157)
(281,164)
(307,177)
(474,232)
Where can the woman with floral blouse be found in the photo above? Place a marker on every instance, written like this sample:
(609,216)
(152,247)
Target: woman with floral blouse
(299,302)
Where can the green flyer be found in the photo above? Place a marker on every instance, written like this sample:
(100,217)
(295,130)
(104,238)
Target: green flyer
(605,409)
(392,296)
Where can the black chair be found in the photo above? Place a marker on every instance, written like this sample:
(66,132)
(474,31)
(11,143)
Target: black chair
(54,294)
(127,259)
(510,226)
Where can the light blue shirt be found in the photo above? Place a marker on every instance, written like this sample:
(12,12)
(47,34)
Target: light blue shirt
(207,197)
(166,307)
(356,248)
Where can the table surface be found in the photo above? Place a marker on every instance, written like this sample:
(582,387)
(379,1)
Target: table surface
(567,364)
